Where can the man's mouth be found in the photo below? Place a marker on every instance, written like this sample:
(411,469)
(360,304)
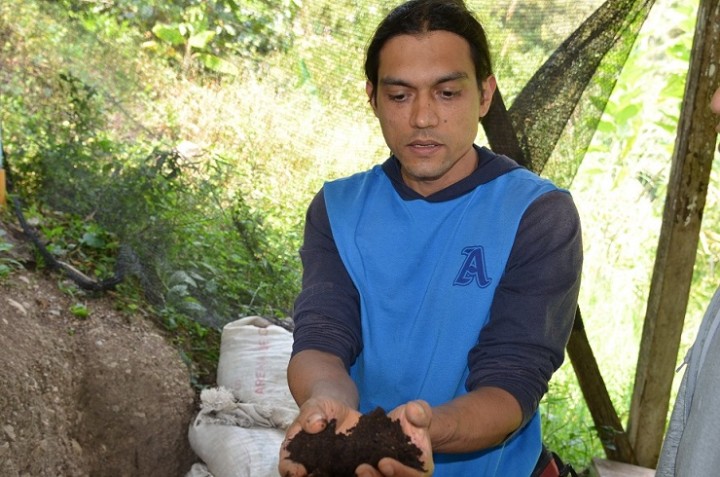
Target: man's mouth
(424,144)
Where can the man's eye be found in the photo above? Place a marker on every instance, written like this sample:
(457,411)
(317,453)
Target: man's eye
(449,94)
(398,97)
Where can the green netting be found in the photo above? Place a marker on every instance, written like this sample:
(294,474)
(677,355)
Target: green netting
(559,108)
(207,212)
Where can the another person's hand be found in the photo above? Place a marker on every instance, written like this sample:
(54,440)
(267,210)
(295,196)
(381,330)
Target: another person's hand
(314,416)
(715,106)
(414,417)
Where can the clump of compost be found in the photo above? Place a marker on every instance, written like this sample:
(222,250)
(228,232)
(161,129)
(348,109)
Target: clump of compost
(332,454)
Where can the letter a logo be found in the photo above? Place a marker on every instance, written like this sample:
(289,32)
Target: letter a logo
(473,268)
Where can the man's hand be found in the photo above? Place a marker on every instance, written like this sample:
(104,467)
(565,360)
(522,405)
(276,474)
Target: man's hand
(313,417)
(414,417)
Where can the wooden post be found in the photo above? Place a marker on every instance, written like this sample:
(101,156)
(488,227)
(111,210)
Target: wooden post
(615,442)
(679,235)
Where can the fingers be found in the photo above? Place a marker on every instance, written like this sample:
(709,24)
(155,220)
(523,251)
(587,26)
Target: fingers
(286,467)
(314,417)
(310,420)
(415,417)
(315,422)
(418,413)
(315,414)
(291,469)
(387,467)
(367,470)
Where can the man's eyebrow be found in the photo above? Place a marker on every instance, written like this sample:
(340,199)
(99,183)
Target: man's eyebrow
(392,81)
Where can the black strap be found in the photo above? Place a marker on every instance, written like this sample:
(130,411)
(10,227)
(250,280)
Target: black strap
(543,461)
(546,459)
(566,470)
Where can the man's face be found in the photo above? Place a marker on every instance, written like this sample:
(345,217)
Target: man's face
(428,103)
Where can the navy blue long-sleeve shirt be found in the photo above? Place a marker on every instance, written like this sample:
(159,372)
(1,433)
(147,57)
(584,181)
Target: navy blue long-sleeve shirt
(533,307)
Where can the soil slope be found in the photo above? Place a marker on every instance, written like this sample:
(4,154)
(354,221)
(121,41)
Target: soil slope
(103,396)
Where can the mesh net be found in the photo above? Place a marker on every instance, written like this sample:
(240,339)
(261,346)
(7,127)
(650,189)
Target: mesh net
(556,62)
(560,106)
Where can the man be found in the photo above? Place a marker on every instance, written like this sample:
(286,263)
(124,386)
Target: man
(715,106)
(691,441)
(442,284)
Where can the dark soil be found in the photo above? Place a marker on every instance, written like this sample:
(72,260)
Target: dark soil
(332,454)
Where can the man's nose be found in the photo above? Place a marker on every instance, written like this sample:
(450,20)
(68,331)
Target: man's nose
(424,113)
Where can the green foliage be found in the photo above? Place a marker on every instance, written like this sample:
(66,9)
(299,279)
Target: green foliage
(75,239)
(524,34)
(567,424)
(199,345)
(7,263)
(80,310)
(192,32)
(104,198)
(94,125)
(63,137)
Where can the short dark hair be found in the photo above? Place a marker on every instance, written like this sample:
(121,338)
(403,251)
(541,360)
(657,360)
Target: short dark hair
(423,16)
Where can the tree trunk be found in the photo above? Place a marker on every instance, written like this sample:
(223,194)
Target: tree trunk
(675,259)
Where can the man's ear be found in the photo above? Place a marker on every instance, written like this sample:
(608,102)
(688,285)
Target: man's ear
(370,91)
(486,94)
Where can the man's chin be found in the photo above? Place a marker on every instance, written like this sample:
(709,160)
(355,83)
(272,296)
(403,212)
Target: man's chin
(423,175)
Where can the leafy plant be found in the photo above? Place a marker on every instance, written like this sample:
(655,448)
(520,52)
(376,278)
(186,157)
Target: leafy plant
(80,310)
(210,32)
(190,40)
(199,345)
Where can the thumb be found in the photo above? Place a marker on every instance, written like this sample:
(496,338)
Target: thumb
(418,413)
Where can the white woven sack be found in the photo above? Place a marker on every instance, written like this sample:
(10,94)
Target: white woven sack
(254,355)
(232,451)
(199,470)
